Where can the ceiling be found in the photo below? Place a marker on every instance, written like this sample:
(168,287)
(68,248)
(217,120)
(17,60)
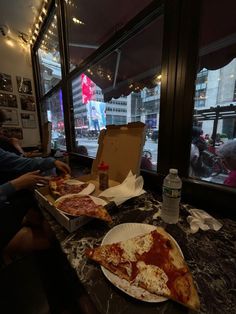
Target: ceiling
(19,15)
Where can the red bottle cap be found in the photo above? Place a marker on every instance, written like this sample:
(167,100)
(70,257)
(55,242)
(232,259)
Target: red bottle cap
(103,166)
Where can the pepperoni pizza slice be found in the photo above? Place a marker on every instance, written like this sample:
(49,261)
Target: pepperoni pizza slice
(60,186)
(153,262)
(78,205)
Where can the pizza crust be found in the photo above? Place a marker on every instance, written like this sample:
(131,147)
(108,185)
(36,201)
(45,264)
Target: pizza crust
(120,257)
(80,205)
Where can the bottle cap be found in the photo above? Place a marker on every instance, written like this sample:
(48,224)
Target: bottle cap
(103,166)
(173,171)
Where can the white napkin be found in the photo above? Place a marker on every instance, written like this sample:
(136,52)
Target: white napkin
(200,219)
(132,186)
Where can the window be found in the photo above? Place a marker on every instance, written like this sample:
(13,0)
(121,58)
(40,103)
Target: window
(118,74)
(119,51)
(49,57)
(215,107)
(92,23)
(53,112)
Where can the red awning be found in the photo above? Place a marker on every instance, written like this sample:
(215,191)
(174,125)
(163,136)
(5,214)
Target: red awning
(217,42)
(137,63)
(133,66)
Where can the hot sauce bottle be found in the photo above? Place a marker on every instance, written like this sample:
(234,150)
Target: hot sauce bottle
(103,176)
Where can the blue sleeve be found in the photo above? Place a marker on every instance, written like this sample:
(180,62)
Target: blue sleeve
(18,164)
(6,190)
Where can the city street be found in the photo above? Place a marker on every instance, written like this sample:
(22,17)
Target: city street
(92,146)
(150,146)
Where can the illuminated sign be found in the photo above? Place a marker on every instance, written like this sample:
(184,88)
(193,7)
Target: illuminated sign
(86,86)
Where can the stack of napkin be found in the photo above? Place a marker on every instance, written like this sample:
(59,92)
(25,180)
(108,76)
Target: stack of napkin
(132,186)
(199,219)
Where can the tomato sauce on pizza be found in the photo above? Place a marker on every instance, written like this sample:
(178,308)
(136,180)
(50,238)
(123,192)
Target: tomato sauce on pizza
(153,262)
(60,186)
(77,205)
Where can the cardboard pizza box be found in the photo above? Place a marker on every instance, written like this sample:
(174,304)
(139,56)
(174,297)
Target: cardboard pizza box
(120,146)
(46,202)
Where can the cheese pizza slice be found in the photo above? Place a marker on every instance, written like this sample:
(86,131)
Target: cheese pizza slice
(151,261)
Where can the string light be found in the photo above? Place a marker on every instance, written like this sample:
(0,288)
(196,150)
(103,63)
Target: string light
(77,21)
(38,24)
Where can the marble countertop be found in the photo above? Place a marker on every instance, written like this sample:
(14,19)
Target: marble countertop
(210,255)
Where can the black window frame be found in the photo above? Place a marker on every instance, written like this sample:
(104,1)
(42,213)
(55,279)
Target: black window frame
(179,69)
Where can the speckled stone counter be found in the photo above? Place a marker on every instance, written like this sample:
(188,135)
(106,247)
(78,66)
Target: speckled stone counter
(210,255)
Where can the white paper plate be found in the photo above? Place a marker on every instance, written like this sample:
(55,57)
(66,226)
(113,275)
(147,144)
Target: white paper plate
(86,191)
(124,232)
(96,200)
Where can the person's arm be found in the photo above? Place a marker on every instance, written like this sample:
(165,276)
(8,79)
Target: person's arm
(28,180)
(17,164)
(12,162)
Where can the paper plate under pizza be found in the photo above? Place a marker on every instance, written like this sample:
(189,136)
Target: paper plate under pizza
(60,186)
(120,233)
(83,205)
(146,262)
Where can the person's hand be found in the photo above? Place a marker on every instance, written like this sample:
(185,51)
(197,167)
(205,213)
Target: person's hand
(29,180)
(63,167)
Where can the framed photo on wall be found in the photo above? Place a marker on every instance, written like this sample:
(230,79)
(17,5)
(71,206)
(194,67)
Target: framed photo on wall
(27,103)
(24,85)
(13,132)
(11,117)
(28,120)
(8,100)
(5,82)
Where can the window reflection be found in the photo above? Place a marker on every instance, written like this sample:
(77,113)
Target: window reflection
(53,112)
(123,87)
(214,123)
(87,32)
(92,114)
(49,57)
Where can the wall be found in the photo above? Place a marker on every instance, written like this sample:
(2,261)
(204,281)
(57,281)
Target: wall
(16,61)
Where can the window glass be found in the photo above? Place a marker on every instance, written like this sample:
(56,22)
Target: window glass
(49,57)
(124,87)
(213,148)
(92,23)
(53,112)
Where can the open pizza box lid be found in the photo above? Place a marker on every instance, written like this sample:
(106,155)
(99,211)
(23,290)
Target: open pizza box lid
(120,146)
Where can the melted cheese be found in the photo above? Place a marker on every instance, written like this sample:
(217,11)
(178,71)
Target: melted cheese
(152,278)
(53,185)
(136,245)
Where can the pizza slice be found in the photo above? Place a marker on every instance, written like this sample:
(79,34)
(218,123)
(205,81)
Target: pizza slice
(78,205)
(60,186)
(153,262)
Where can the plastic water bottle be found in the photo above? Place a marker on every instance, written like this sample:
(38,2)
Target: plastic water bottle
(171,192)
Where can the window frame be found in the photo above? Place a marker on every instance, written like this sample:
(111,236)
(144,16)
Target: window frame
(179,69)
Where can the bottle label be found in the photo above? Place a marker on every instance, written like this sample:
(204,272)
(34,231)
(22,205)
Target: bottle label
(170,192)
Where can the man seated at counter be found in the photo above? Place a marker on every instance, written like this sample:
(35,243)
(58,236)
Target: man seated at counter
(17,175)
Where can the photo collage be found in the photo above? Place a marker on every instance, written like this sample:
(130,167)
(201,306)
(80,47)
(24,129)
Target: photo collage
(17,117)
